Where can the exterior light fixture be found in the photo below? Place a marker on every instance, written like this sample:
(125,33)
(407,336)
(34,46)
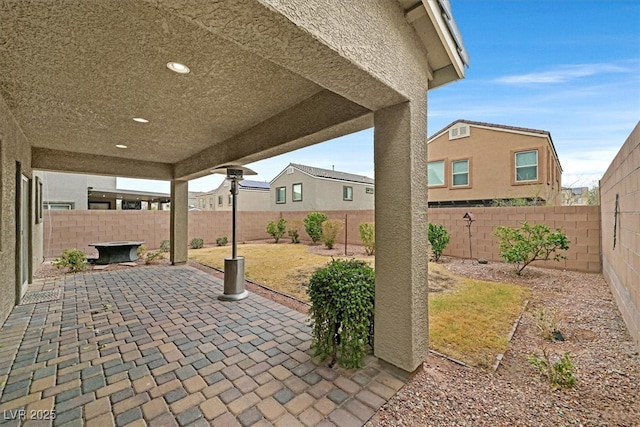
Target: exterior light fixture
(470,217)
(140,120)
(121,146)
(234,267)
(178,68)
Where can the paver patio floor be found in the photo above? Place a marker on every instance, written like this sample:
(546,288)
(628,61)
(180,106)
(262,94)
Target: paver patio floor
(154,346)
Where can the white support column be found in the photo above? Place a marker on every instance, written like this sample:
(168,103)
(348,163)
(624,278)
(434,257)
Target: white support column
(400,155)
(179,223)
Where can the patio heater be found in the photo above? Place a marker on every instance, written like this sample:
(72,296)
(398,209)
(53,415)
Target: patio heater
(234,267)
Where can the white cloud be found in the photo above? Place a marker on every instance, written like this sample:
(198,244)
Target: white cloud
(562,74)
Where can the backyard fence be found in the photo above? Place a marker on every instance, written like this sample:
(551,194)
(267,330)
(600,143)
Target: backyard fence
(77,229)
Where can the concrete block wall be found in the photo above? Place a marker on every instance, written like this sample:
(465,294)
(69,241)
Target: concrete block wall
(78,228)
(621,264)
(581,224)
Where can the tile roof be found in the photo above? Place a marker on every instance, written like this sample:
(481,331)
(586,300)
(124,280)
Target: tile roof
(333,174)
(259,185)
(492,125)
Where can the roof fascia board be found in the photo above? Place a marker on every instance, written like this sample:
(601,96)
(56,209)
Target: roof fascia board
(432,8)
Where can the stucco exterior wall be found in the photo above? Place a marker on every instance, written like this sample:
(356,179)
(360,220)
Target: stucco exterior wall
(13,148)
(491,156)
(248,200)
(320,194)
(621,263)
(61,187)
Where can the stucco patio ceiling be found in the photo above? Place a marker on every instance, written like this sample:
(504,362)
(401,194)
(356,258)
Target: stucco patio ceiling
(75,73)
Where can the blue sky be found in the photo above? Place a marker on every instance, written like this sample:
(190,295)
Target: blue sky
(571,67)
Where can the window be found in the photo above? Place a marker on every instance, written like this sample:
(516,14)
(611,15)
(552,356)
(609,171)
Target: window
(460,173)
(435,173)
(281,195)
(62,206)
(219,200)
(230,201)
(347,193)
(527,166)
(296,192)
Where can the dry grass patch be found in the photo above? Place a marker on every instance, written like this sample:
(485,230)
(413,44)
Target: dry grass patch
(284,267)
(472,324)
(468,319)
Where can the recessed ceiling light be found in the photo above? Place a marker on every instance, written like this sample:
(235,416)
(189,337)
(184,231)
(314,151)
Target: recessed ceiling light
(140,120)
(178,67)
(121,146)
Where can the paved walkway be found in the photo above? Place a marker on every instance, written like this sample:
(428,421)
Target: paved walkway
(154,346)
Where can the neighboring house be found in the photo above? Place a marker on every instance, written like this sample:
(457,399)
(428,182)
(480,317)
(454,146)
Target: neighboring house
(575,196)
(70,191)
(252,196)
(306,188)
(475,163)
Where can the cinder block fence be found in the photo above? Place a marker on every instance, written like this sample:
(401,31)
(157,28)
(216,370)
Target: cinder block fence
(77,229)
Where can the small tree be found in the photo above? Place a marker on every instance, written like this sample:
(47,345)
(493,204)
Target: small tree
(342,298)
(330,230)
(276,230)
(294,230)
(313,225)
(368,237)
(593,198)
(438,238)
(522,246)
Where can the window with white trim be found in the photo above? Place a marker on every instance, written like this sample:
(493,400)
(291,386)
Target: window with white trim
(435,173)
(460,173)
(281,195)
(219,200)
(296,192)
(527,166)
(347,193)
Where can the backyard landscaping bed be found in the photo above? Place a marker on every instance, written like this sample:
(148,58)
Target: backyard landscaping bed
(607,365)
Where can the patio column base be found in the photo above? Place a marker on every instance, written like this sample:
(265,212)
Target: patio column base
(234,280)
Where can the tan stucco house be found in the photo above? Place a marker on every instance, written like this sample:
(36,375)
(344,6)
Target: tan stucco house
(307,188)
(252,196)
(171,90)
(478,164)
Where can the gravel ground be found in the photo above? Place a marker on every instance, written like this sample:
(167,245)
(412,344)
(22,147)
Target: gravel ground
(607,365)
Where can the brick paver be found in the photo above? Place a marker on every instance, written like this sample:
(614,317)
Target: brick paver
(154,346)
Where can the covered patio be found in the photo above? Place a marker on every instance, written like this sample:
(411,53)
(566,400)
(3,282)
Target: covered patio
(93,87)
(154,346)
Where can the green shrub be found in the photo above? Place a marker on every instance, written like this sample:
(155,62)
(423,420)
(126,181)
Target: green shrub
(154,256)
(277,229)
(294,230)
(330,230)
(221,241)
(197,243)
(560,373)
(313,225)
(342,299)
(73,259)
(368,237)
(165,246)
(141,250)
(438,238)
(522,246)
